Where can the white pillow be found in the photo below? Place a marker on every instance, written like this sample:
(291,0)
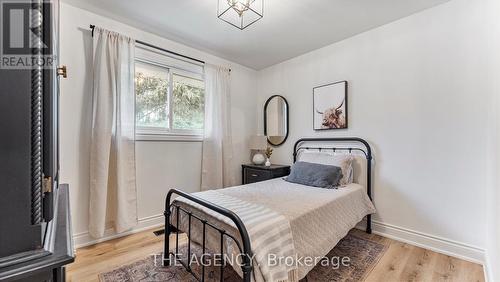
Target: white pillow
(344,161)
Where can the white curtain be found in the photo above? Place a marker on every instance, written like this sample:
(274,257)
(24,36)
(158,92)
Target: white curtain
(217,160)
(113,197)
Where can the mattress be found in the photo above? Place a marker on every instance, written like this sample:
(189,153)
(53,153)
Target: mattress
(318,217)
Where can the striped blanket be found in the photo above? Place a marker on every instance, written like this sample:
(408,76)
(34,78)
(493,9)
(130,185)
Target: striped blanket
(270,235)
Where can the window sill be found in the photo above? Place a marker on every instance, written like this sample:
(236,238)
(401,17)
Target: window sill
(169,137)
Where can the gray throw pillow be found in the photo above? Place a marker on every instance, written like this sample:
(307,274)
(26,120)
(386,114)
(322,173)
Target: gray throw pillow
(316,175)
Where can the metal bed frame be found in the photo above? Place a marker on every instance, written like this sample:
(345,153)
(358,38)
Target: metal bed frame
(245,247)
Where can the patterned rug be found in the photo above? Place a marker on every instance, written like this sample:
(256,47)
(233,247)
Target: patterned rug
(362,252)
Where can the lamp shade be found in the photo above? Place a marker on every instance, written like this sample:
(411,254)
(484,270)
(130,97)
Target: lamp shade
(258,142)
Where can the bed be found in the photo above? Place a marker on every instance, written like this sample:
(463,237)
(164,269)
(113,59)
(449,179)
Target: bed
(260,223)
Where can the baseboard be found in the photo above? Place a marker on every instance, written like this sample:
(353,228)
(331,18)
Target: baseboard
(427,241)
(84,239)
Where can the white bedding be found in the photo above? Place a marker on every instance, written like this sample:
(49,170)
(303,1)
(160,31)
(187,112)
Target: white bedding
(318,217)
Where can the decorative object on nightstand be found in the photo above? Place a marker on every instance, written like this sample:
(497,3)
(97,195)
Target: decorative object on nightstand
(269,152)
(256,173)
(258,143)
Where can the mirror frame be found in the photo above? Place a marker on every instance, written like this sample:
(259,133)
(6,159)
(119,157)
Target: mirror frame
(287,119)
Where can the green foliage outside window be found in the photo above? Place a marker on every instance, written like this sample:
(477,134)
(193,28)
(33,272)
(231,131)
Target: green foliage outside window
(188,104)
(152,102)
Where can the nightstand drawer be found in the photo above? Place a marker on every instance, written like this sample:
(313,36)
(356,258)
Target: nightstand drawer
(255,175)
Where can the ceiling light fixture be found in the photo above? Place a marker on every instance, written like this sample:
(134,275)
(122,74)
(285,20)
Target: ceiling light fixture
(240,13)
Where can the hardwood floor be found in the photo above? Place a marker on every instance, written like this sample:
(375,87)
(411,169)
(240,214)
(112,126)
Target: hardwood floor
(401,262)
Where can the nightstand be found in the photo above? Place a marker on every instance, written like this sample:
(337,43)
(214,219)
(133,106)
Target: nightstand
(254,173)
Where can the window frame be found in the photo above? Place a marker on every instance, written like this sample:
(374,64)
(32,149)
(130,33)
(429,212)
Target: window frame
(150,133)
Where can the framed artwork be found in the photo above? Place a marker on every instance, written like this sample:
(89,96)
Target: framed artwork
(330,106)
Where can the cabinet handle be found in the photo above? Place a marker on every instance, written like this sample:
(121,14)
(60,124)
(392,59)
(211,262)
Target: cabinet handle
(254,175)
(62,71)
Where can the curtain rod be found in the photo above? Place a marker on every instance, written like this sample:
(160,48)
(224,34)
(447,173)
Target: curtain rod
(92,27)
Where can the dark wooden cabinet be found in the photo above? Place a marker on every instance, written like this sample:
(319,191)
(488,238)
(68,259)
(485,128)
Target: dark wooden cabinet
(35,229)
(47,264)
(256,173)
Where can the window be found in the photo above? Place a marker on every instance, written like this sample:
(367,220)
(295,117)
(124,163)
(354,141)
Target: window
(170,101)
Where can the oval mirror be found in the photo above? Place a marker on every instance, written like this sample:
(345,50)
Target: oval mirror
(276,120)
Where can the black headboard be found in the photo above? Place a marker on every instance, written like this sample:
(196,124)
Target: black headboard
(343,145)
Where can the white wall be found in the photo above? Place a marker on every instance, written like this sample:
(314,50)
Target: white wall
(493,79)
(416,93)
(160,165)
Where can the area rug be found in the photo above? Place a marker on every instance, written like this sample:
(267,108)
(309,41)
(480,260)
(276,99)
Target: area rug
(362,252)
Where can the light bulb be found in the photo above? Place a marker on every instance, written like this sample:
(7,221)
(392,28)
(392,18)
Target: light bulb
(240,6)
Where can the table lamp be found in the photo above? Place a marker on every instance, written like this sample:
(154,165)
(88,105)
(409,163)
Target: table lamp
(258,143)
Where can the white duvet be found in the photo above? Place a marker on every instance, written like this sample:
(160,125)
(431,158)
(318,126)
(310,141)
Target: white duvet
(318,217)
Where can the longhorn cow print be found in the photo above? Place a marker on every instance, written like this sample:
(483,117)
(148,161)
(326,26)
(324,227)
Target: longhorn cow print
(333,117)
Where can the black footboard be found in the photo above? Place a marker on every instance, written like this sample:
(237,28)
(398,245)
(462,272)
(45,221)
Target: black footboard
(244,246)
